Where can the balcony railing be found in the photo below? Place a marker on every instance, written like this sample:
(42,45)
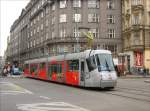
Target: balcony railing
(137,5)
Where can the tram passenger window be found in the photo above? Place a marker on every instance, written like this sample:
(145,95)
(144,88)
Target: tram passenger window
(50,70)
(54,68)
(26,66)
(42,65)
(33,69)
(59,68)
(91,63)
(73,65)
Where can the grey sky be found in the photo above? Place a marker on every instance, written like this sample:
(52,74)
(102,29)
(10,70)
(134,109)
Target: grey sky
(9,12)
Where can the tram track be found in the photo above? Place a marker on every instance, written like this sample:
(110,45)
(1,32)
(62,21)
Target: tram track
(136,94)
(135,91)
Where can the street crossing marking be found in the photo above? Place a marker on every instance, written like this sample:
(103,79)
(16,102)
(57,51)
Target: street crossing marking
(44,97)
(12,89)
(52,106)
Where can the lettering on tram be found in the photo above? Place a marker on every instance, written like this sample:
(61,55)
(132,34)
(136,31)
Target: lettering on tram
(90,68)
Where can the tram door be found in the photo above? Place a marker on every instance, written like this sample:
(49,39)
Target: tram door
(82,73)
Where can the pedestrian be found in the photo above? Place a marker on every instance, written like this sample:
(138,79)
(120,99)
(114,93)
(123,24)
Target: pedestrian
(5,71)
(144,72)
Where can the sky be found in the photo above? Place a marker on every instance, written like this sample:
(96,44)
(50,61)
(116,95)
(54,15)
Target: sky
(10,10)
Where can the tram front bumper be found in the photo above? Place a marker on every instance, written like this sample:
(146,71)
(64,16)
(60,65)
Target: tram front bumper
(108,83)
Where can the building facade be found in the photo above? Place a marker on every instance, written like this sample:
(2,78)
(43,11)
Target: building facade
(136,32)
(52,27)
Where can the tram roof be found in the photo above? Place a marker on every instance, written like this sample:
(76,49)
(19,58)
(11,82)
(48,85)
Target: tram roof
(67,56)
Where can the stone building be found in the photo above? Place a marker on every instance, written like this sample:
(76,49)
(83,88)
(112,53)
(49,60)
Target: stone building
(136,32)
(52,27)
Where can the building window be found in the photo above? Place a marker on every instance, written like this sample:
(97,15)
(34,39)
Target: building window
(28,35)
(34,43)
(42,14)
(46,36)
(93,4)
(37,41)
(38,18)
(31,44)
(76,3)
(41,26)
(34,21)
(110,4)
(77,17)
(95,32)
(53,20)
(34,31)
(112,48)
(53,7)
(111,19)
(47,10)
(28,45)
(62,33)
(76,32)
(136,20)
(46,22)
(62,18)
(63,4)
(136,2)
(41,39)
(93,17)
(31,23)
(111,33)
(53,34)
(38,29)
(31,33)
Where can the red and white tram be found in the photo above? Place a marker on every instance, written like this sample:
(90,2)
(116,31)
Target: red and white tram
(91,68)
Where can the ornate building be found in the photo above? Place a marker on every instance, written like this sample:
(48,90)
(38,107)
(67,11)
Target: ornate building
(136,32)
(51,27)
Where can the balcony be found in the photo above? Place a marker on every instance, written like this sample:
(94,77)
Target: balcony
(137,7)
(137,47)
(137,27)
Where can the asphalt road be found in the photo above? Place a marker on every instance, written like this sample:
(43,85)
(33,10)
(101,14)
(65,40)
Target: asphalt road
(25,94)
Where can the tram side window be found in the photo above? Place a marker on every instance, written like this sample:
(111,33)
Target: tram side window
(91,63)
(33,69)
(26,66)
(73,65)
(59,68)
(56,68)
(50,70)
(53,68)
(42,65)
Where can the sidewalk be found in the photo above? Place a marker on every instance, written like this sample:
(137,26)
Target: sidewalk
(134,76)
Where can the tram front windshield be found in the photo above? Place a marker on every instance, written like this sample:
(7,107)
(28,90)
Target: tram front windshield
(104,62)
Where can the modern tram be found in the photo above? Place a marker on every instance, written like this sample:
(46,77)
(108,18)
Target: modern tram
(90,68)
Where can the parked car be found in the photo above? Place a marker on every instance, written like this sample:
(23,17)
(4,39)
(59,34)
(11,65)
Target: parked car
(16,71)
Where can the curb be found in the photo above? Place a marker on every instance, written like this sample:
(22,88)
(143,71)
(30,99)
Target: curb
(147,81)
(133,77)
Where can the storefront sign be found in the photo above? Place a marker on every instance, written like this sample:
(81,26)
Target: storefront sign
(138,59)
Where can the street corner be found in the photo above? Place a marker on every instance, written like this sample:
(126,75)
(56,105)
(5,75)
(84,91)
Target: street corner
(8,88)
